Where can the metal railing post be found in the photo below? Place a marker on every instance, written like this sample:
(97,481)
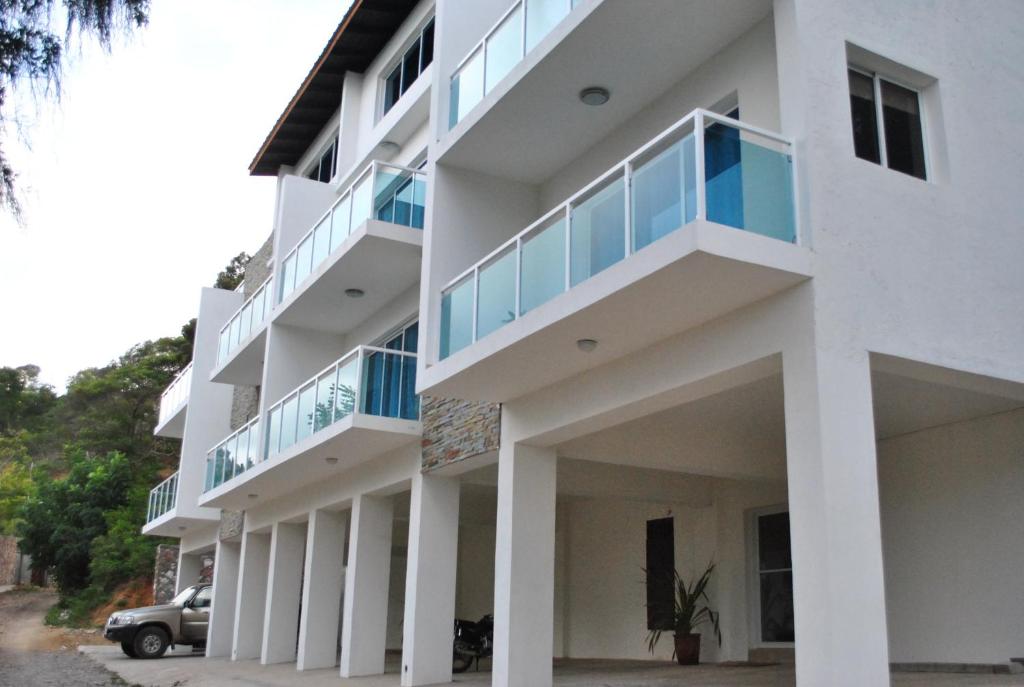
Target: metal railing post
(698,159)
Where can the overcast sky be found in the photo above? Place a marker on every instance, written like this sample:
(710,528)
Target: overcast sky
(136,186)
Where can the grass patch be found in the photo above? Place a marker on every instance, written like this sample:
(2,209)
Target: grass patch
(77,610)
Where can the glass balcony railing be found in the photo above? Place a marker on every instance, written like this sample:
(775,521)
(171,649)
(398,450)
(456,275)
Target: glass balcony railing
(368,380)
(706,166)
(383,191)
(518,31)
(246,320)
(233,456)
(162,498)
(175,394)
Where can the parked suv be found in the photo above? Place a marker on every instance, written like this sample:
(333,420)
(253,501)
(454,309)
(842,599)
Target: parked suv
(147,632)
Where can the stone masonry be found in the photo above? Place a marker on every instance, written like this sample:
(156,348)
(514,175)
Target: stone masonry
(245,401)
(455,430)
(165,573)
(231,522)
(10,561)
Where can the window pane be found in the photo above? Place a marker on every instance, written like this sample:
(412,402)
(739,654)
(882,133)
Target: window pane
(307,408)
(373,379)
(862,109)
(339,222)
(543,269)
(467,89)
(504,48)
(457,318)
(392,88)
(427,54)
(777,607)
(327,164)
(541,17)
(904,145)
(598,231)
(496,302)
(773,542)
(410,66)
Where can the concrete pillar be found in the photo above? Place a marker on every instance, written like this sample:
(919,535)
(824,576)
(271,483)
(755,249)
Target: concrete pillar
(430,581)
(838,577)
(189,567)
(364,624)
(225,595)
(252,595)
(321,589)
(524,567)
(281,618)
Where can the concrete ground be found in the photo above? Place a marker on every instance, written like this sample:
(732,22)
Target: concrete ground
(184,670)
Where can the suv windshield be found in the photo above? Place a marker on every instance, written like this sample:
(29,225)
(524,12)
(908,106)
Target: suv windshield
(184,596)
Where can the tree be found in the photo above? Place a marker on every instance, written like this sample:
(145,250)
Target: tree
(233,274)
(23,400)
(31,51)
(16,489)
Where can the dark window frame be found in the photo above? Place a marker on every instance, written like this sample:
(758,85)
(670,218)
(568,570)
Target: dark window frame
(330,152)
(400,69)
(882,149)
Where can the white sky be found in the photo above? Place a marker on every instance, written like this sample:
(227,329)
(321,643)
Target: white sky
(136,188)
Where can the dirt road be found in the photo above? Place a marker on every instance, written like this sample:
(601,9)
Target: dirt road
(32,654)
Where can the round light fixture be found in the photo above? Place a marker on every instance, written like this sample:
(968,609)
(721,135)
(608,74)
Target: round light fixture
(254,496)
(355,293)
(182,528)
(330,460)
(586,345)
(390,147)
(595,96)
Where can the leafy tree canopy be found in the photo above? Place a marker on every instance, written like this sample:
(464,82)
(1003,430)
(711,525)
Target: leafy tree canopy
(233,274)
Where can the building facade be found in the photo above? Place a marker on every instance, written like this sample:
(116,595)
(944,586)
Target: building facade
(562,294)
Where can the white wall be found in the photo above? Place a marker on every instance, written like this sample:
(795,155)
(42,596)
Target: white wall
(952,501)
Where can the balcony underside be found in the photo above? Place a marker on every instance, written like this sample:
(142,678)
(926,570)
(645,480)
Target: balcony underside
(353,440)
(379,258)
(170,524)
(244,366)
(173,427)
(695,274)
(509,135)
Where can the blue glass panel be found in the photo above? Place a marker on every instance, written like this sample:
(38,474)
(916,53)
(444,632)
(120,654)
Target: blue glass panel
(541,17)
(373,377)
(467,89)
(496,299)
(598,226)
(768,192)
(660,202)
(346,398)
(419,202)
(504,49)
(724,175)
(457,318)
(543,268)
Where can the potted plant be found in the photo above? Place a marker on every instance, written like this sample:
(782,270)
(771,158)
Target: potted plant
(690,611)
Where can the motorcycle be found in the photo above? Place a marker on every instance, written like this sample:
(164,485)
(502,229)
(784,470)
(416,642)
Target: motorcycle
(473,641)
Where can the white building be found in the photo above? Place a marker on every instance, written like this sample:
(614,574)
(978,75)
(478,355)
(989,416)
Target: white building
(735,281)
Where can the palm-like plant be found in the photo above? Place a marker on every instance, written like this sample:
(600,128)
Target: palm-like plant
(690,609)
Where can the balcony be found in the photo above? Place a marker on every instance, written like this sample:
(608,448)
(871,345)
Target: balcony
(359,407)
(698,222)
(173,402)
(368,244)
(162,498)
(241,341)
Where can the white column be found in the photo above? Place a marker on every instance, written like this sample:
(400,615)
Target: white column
(524,567)
(364,624)
(281,617)
(838,577)
(225,594)
(189,567)
(430,581)
(321,589)
(252,595)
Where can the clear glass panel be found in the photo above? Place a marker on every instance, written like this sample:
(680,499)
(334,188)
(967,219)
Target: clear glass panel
(543,268)
(258,305)
(288,276)
(268,300)
(496,300)
(307,411)
(273,432)
(208,482)
(218,474)
(324,413)
(345,402)
(223,346)
(303,258)
(241,451)
(904,144)
(419,201)
(321,241)
(541,17)
(393,195)
(467,88)
(504,48)
(457,318)
(234,331)
(749,186)
(245,322)
(661,202)
(598,226)
(362,201)
(339,221)
(230,456)
(289,416)
(252,456)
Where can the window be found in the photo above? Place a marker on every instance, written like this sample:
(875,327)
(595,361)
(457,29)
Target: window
(887,123)
(391,379)
(774,577)
(661,565)
(202,599)
(325,167)
(414,60)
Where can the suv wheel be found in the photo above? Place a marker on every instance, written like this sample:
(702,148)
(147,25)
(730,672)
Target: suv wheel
(128,650)
(151,642)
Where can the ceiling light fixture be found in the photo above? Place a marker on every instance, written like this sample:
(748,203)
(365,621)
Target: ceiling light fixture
(586,345)
(254,496)
(595,96)
(330,460)
(355,293)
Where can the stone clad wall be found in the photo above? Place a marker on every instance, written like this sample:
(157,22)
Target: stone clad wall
(9,560)
(245,401)
(455,430)
(231,522)
(165,573)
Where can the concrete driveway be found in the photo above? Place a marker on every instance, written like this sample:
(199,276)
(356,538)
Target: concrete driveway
(184,669)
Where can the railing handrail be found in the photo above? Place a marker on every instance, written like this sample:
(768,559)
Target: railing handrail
(371,167)
(177,378)
(168,479)
(354,353)
(692,117)
(243,428)
(490,32)
(246,302)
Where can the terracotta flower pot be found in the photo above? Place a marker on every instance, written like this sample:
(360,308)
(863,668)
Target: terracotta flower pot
(688,649)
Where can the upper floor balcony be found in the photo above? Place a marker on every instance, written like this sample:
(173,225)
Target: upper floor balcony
(242,338)
(698,222)
(173,403)
(162,499)
(359,255)
(359,407)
